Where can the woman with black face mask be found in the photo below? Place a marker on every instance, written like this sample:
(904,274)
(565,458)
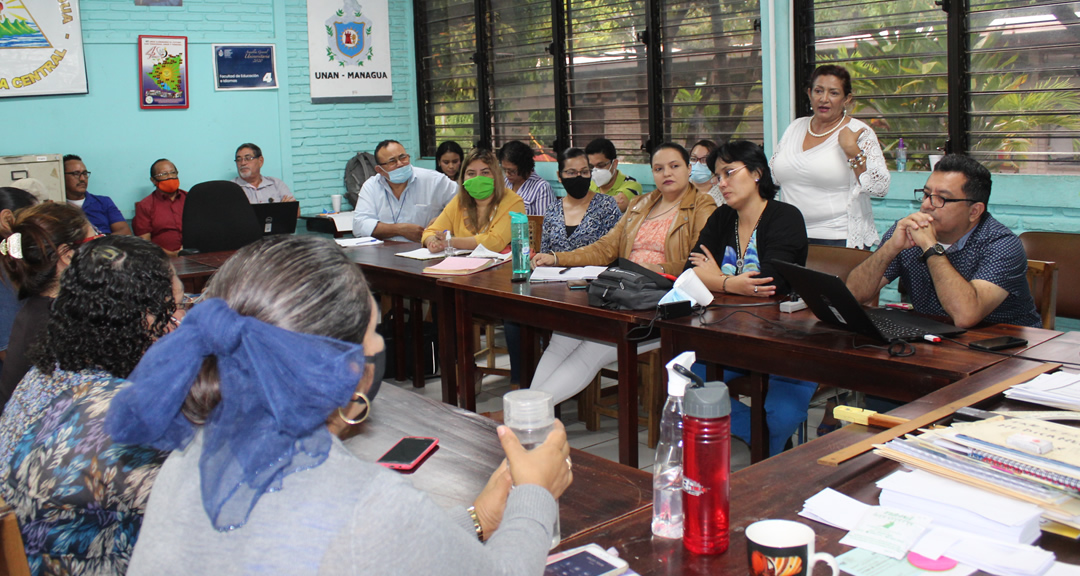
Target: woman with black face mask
(582,216)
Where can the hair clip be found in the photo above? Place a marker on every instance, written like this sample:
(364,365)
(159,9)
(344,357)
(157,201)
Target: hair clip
(12,246)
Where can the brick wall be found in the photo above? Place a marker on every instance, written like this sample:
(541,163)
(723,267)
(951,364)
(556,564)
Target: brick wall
(112,21)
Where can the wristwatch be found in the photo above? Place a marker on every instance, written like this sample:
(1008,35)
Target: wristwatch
(935,250)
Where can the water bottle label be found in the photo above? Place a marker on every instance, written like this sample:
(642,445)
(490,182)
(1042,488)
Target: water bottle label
(692,487)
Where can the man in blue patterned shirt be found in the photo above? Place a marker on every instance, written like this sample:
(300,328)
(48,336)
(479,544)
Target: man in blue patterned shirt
(955,258)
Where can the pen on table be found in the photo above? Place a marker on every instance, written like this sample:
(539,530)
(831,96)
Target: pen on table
(564,270)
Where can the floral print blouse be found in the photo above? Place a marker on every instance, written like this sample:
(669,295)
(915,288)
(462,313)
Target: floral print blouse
(79,497)
(600,217)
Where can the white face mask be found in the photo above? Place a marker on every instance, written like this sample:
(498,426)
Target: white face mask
(601,176)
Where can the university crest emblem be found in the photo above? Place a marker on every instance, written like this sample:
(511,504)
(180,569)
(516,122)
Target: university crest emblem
(349,35)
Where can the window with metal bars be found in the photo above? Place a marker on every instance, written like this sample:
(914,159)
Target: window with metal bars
(997,79)
(555,73)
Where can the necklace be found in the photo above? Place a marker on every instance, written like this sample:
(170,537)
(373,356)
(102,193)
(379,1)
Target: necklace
(739,250)
(655,216)
(829,131)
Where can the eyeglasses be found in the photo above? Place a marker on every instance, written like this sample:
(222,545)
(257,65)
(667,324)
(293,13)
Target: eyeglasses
(77,175)
(394,162)
(247,158)
(576,173)
(511,173)
(166,175)
(603,166)
(696,159)
(726,174)
(937,201)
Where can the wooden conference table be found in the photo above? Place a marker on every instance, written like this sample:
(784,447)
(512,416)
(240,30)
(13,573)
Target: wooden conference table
(763,341)
(469,451)
(777,487)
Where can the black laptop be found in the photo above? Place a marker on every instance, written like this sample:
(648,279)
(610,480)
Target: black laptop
(277,217)
(831,301)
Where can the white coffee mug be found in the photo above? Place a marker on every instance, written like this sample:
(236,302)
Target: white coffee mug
(934,159)
(783,548)
(335,202)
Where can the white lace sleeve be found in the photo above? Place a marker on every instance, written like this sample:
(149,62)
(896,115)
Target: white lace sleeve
(875,180)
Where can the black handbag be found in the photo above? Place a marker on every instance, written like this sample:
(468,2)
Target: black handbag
(628,286)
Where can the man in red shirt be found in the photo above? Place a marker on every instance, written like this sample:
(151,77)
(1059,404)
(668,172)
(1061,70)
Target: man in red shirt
(159,217)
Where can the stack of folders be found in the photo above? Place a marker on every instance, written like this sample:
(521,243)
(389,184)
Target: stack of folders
(1060,390)
(1029,460)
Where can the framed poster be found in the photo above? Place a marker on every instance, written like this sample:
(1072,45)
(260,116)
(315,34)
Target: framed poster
(349,51)
(245,67)
(41,50)
(163,73)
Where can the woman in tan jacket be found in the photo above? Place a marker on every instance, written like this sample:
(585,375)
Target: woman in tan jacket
(657,231)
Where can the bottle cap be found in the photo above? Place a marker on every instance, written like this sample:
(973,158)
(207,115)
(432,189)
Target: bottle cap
(518,218)
(710,401)
(676,383)
(528,409)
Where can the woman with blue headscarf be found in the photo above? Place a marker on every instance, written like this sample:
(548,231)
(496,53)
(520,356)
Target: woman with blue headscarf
(246,393)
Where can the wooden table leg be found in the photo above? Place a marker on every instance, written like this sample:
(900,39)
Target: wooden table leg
(397,303)
(759,426)
(445,318)
(628,396)
(466,362)
(420,351)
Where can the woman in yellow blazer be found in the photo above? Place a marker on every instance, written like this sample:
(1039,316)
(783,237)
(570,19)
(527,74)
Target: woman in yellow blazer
(481,212)
(657,231)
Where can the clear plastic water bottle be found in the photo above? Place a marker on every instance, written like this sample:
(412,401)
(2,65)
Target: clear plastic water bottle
(667,520)
(450,250)
(901,157)
(530,414)
(519,246)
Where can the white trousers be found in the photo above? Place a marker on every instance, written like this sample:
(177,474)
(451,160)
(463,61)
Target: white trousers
(569,364)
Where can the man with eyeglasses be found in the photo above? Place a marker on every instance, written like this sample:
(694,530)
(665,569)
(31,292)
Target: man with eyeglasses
(159,217)
(101,211)
(401,199)
(259,189)
(606,178)
(954,257)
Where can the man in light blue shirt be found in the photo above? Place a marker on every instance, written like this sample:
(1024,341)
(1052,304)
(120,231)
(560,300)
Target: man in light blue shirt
(401,199)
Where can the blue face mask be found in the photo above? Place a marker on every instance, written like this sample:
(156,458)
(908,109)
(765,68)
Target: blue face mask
(699,173)
(400,175)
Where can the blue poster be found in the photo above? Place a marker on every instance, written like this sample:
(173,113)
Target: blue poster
(245,67)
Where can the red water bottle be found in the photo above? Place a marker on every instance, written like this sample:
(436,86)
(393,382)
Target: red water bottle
(706,461)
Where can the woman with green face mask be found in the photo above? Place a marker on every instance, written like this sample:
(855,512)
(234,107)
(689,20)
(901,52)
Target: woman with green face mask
(481,212)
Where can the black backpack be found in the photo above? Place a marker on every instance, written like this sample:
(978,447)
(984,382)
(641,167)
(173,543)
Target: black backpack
(628,286)
(357,171)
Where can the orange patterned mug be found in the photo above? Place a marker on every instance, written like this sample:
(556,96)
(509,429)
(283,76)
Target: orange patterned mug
(783,548)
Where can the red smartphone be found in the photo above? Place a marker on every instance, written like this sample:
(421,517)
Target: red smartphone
(408,453)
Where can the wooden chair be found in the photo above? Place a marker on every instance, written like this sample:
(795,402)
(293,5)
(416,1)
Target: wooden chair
(13,562)
(536,233)
(1064,249)
(595,400)
(1042,278)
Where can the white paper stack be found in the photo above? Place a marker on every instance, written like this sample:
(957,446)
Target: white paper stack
(986,554)
(558,274)
(955,505)
(361,241)
(482,252)
(1060,390)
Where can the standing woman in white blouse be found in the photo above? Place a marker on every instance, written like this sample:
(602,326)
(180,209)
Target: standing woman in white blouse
(829,165)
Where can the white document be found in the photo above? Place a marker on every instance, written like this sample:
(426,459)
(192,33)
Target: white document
(482,252)
(422,254)
(888,531)
(993,556)
(354,242)
(342,220)
(835,509)
(564,274)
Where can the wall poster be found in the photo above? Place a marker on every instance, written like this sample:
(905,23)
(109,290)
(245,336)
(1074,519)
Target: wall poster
(163,72)
(349,51)
(41,51)
(245,67)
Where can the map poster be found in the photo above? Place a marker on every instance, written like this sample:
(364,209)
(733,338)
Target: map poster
(41,51)
(163,72)
(349,51)
(245,67)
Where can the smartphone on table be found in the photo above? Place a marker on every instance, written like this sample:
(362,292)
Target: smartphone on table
(408,453)
(588,560)
(995,344)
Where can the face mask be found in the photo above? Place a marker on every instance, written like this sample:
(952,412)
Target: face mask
(480,187)
(400,175)
(601,177)
(699,173)
(379,362)
(576,187)
(169,186)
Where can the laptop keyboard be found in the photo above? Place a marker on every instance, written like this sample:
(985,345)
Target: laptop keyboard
(895,331)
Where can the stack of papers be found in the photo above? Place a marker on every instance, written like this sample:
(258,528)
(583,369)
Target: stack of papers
(342,220)
(479,252)
(557,274)
(457,266)
(361,241)
(1060,390)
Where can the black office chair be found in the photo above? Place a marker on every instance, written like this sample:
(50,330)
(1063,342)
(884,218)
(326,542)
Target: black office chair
(218,216)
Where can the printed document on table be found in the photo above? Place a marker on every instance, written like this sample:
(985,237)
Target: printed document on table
(354,242)
(563,274)
(422,254)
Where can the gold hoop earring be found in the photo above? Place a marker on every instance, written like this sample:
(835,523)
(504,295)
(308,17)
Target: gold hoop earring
(367,409)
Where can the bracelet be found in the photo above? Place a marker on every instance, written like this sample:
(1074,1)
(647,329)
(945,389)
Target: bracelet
(555,256)
(476,522)
(858,160)
(723,285)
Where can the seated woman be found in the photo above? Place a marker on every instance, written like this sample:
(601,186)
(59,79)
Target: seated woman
(481,212)
(521,177)
(657,231)
(448,159)
(42,241)
(735,255)
(78,496)
(11,200)
(243,392)
(582,216)
(700,174)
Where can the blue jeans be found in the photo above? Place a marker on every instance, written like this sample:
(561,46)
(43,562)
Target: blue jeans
(785,408)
